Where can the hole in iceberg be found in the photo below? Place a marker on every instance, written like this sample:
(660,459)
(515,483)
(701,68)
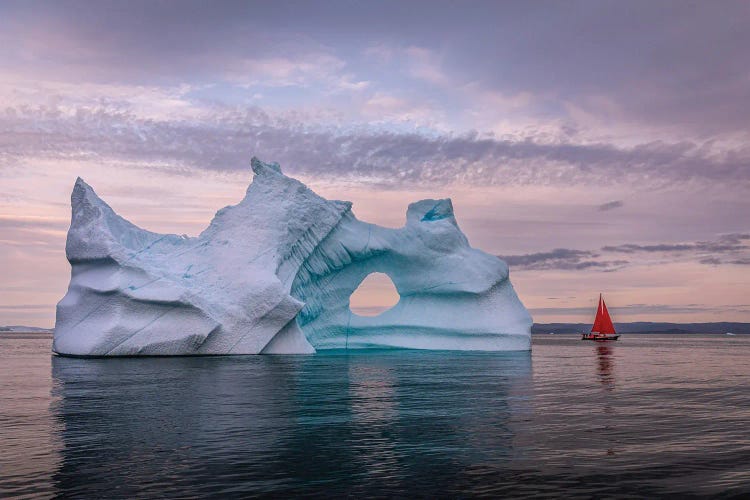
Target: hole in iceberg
(375,295)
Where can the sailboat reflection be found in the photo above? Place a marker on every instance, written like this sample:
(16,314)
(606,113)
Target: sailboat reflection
(606,372)
(605,369)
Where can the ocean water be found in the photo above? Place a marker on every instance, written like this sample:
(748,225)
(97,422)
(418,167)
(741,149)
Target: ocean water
(647,416)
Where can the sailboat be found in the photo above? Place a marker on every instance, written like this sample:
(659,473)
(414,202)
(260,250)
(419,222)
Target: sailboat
(603,328)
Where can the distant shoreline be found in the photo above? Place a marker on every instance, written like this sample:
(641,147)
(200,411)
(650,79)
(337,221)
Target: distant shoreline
(25,335)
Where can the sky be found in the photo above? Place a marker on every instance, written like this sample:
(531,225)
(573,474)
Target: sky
(596,146)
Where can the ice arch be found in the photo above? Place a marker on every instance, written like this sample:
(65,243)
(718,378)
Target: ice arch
(374,295)
(452,296)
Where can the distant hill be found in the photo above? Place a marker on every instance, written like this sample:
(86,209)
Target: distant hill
(647,327)
(24,329)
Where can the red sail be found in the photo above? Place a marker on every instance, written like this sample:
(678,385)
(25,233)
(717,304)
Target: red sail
(603,323)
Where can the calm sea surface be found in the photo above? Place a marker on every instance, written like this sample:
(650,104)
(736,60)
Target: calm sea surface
(645,416)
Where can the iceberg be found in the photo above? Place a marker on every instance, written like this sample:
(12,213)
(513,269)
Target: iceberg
(273,275)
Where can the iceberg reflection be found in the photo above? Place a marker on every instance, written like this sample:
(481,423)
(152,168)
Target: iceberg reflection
(284,424)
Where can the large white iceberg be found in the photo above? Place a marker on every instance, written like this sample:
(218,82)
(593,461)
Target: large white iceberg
(273,274)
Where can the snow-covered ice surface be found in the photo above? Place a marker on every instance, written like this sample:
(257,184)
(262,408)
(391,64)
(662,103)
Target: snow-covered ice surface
(273,274)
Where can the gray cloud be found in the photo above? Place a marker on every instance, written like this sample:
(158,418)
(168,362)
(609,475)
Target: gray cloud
(730,249)
(728,243)
(710,261)
(638,60)
(8,223)
(562,259)
(146,42)
(651,62)
(226,139)
(638,309)
(40,234)
(610,205)
(714,261)
(662,247)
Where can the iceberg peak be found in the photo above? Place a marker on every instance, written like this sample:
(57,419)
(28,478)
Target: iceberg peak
(84,194)
(260,167)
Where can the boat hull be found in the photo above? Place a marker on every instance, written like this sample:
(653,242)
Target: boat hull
(599,338)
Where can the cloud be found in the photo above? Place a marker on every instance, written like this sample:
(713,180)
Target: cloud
(8,222)
(626,68)
(152,42)
(714,261)
(25,307)
(225,137)
(662,247)
(710,261)
(727,249)
(643,309)
(34,234)
(386,107)
(562,259)
(290,71)
(727,243)
(610,205)
(380,53)
(424,64)
(490,64)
